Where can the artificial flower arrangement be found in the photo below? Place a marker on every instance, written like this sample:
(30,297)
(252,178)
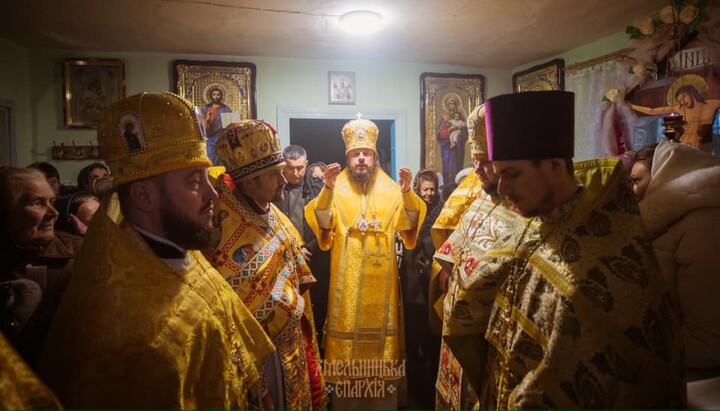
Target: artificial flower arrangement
(686,12)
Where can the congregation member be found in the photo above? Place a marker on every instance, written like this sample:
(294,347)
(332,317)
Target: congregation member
(357,215)
(580,316)
(485,222)
(679,189)
(89,174)
(146,322)
(422,347)
(37,261)
(259,253)
(300,189)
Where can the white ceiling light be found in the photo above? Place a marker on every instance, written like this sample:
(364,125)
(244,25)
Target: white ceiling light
(361,22)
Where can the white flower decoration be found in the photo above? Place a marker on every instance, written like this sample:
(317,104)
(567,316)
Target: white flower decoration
(612,95)
(688,14)
(639,70)
(667,14)
(646,26)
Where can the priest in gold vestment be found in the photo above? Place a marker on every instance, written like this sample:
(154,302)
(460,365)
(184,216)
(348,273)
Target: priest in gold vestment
(357,215)
(485,221)
(146,322)
(259,254)
(579,316)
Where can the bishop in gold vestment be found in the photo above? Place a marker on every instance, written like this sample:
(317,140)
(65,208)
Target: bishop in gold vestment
(259,255)
(145,322)
(358,222)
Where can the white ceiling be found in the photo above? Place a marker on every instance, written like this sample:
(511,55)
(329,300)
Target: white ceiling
(481,33)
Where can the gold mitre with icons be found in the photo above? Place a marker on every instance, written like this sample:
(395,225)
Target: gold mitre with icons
(249,148)
(477,132)
(151,133)
(360,133)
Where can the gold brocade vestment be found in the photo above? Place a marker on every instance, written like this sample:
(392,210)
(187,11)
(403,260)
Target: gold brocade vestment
(580,317)
(132,332)
(20,388)
(364,321)
(481,226)
(262,261)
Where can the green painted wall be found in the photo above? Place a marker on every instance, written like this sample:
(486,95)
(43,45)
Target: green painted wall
(31,78)
(15,87)
(280,82)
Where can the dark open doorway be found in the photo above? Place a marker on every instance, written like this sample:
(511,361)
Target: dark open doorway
(322,139)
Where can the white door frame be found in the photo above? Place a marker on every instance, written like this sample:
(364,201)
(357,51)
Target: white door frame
(398,149)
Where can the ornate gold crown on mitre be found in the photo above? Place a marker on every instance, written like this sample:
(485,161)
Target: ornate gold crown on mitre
(151,133)
(249,148)
(360,133)
(477,132)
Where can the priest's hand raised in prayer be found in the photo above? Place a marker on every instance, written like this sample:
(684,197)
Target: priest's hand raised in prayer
(331,172)
(405,179)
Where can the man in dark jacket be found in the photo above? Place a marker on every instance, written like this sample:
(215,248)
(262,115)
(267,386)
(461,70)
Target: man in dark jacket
(299,190)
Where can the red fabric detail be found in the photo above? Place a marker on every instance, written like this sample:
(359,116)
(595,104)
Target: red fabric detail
(619,131)
(444,132)
(316,386)
(228,181)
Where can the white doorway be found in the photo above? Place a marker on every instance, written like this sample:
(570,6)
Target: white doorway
(397,131)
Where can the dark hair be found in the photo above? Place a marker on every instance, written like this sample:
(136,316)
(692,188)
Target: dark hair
(425,175)
(294,152)
(692,91)
(125,196)
(46,168)
(218,89)
(320,164)
(645,156)
(83,178)
(569,167)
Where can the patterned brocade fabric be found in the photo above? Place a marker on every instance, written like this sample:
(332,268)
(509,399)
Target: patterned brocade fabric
(260,258)
(364,319)
(481,226)
(20,388)
(580,317)
(131,332)
(455,207)
(469,189)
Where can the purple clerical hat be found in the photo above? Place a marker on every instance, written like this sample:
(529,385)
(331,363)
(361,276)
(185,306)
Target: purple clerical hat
(530,126)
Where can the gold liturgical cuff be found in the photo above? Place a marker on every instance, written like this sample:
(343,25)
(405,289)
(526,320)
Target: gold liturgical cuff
(324,199)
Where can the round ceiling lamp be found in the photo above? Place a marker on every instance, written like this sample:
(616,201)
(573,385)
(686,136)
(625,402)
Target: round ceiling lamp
(361,22)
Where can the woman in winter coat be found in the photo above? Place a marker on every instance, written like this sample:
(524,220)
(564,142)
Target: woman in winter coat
(681,210)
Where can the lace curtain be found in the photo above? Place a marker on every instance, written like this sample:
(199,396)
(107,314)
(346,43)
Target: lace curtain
(590,85)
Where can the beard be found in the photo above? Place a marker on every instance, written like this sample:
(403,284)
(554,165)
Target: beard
(491,189)
(184,231)
(360,177)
